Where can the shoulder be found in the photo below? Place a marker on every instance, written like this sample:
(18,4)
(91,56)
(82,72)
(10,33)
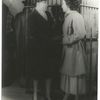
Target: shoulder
(74,17)
(77,16)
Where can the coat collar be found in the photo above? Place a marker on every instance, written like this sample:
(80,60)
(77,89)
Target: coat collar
(70,12)
(35,11)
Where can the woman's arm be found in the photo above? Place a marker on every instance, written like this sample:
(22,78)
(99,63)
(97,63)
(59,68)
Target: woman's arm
(78,30)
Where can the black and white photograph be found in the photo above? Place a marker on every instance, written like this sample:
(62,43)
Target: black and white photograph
(49,49)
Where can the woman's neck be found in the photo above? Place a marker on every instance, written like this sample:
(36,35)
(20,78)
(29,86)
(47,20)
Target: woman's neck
(40,9)
(68,10)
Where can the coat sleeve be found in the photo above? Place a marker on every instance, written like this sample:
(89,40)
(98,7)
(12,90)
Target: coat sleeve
(77,29)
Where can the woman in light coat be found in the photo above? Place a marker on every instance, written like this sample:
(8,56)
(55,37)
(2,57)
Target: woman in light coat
(73,70)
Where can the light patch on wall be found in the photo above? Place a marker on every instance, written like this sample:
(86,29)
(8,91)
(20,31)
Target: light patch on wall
(15,6)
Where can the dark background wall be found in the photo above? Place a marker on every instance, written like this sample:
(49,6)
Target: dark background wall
(8,47)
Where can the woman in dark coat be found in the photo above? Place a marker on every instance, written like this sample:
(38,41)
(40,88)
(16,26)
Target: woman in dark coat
(40,49)
(21,31)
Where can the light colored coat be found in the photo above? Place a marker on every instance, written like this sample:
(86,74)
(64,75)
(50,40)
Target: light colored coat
(74,54)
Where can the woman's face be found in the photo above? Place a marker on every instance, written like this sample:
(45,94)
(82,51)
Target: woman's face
(64,6)
(42,5)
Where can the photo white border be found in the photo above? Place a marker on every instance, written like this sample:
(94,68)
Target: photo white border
(98,95)
(0,49)
(98,88)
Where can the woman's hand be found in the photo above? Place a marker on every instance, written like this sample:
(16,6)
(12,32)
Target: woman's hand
(70,39)
(66,40)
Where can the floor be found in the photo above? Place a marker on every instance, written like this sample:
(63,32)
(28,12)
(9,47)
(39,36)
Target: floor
(15,92)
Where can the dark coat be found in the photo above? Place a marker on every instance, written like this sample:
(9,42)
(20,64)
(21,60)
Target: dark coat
(41,45)
(21,30)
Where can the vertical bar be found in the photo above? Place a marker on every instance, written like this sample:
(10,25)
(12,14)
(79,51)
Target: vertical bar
(87,13)
(61,2)
(83,7)
(94,26)
(35,1)
(35,86)
(86,8)
(89,16)
(28,2)
(47,2)
(33,90)
(26,35)
(80,7)
(65,82)
(96,12)
(32,2)
(90,64)
(77,85)
(57,2)
(68,84)
(26,25)
(52,2)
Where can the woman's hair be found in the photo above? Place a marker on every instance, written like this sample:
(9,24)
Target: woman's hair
(73,4)
(57,12)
